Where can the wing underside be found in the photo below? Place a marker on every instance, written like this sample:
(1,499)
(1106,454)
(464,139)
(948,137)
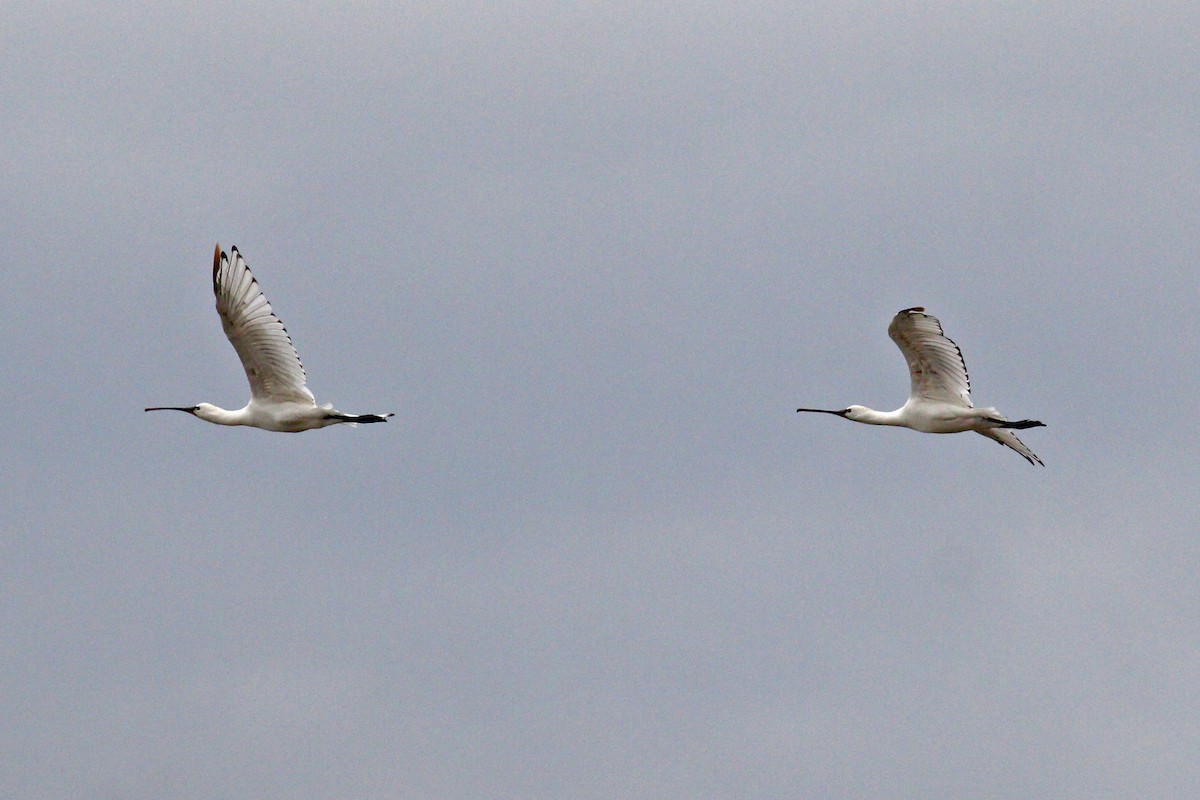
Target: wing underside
(1009,439)
(262,343)
(935,364)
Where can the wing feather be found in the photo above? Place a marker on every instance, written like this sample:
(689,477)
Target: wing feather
(1009,439)
(935,364)
(262,343)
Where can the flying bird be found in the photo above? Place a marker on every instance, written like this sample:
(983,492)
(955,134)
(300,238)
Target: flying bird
(940,398)
(279,399)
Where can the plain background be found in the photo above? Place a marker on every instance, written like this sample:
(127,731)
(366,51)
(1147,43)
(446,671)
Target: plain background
(594,255)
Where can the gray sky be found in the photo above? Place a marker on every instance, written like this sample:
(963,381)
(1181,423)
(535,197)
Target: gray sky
(594,257)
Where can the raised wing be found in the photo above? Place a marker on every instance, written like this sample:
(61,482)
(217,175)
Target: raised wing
(262,343)
(935,363)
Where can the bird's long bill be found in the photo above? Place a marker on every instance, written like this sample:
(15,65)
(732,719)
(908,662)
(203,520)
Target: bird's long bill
(840,413)
(188,409)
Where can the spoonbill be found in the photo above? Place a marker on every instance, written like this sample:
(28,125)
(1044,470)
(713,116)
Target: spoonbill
(940,398)
(279,399)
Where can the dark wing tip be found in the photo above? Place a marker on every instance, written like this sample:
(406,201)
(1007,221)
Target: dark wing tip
(913,310)
(217,256)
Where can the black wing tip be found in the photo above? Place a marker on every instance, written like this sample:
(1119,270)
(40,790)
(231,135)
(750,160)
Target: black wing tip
(1031,458)
(219,254)
(218,257)
(913,310)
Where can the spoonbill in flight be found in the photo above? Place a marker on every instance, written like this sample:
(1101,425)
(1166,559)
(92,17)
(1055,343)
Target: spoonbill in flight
(279,400)
(940,398)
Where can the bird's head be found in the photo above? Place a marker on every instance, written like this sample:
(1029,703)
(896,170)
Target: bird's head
(206,411)
(855,413)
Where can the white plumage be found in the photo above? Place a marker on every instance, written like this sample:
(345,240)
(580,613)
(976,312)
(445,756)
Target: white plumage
(940,397)
(279,397)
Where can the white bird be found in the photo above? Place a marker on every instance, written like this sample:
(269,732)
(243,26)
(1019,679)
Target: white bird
(940,399)
(279,399)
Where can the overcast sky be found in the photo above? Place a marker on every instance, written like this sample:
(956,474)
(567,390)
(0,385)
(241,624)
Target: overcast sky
(594,256)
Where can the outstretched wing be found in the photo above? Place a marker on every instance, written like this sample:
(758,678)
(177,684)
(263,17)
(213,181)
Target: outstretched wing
(1009,439)
(262,343)
(935,363)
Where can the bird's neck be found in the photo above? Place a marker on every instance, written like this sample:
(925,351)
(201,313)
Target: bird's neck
(870,416)
(221,416)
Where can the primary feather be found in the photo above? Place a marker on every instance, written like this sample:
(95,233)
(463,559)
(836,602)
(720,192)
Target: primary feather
(935,363)
(262,342)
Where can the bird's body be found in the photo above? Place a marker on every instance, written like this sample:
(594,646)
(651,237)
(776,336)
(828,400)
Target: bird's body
(279,397)
(940,396)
